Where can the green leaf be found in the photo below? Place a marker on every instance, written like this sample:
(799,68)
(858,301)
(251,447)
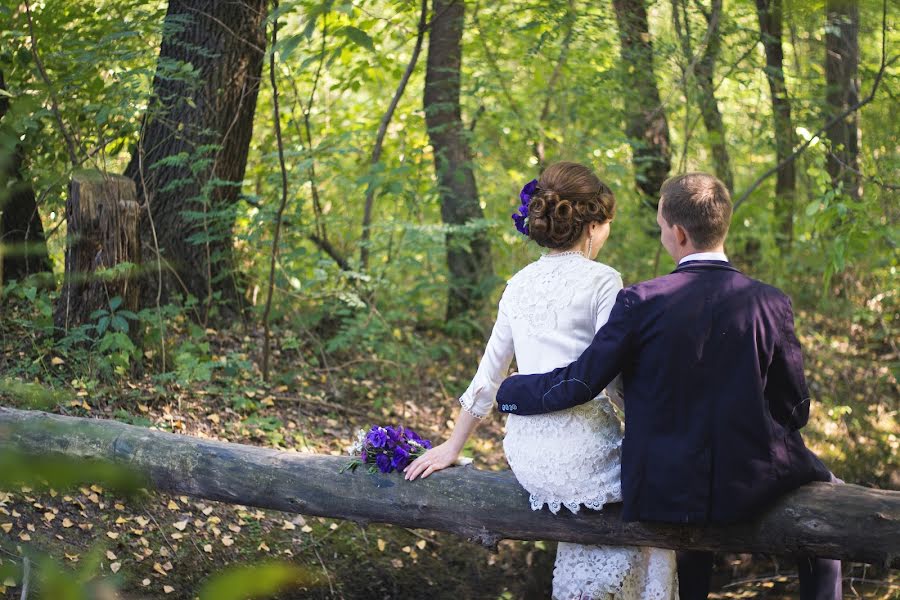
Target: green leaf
(119,323)
(254,581)
(287,46)
(358,37)
(114,303)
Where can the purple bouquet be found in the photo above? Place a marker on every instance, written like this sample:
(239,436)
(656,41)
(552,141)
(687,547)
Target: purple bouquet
(386,449)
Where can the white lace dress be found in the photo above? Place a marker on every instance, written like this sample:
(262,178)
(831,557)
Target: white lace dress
(548,315)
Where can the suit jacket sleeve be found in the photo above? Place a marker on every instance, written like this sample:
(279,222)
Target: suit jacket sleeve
(786,388)
(583,379)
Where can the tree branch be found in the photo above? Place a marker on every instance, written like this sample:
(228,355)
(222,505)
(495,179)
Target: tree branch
(382,131)
(793,156)
(71,144)
(284,193)
(819,519)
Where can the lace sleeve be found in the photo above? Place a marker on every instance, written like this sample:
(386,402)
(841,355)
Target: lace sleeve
(478,399)
(607,289)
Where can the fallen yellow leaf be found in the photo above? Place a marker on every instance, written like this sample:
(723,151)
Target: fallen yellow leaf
(180,525)
(112,535)
(6,527)
(110,555)
(114,567)
(381,545)
(168,589)
(158,568)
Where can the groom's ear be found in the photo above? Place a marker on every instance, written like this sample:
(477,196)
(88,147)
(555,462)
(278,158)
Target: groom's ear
(681,235)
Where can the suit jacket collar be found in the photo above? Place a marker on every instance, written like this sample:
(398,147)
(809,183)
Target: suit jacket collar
(702,265)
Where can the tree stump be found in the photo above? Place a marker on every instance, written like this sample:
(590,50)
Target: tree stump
(103,248)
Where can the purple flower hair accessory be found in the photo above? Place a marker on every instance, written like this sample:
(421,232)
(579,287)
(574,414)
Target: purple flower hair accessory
(520,218)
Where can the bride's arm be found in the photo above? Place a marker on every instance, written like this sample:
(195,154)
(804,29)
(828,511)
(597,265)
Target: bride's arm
(476,403)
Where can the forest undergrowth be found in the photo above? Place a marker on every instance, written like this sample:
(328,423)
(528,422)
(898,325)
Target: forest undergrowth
(157,546)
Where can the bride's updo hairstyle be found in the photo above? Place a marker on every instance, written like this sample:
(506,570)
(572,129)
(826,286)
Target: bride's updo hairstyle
(568,197)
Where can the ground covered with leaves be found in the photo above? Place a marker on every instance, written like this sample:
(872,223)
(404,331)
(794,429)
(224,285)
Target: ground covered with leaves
(147,545)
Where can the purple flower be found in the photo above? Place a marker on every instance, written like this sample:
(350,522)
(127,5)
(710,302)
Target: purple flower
(394,434)
(527,192)
(383,463)
(520,218)
(401,458)
(377,437)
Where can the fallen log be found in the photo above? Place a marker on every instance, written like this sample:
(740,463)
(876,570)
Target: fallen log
(836,521)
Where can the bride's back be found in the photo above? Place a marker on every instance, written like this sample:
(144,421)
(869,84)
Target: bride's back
(554,306)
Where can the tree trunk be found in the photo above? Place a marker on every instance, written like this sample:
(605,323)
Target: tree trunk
(770,24)
(102,216)
(827,520)
(842,79)
(194,143)
(709,106)
(468,249)
(23,248)
(646,126)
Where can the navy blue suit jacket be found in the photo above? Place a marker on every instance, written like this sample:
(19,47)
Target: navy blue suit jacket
(714,394)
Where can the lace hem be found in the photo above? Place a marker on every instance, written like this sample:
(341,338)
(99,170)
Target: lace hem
(470,411)
(594,503)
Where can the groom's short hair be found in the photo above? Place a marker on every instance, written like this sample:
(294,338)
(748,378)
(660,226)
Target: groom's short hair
(701,204)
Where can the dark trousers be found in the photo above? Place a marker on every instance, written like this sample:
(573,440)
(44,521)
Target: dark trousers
(820,578)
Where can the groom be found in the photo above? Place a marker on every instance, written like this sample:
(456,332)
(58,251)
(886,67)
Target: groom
(714,387)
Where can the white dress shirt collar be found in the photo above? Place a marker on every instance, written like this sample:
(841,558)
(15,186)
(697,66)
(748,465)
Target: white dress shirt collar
(704,256)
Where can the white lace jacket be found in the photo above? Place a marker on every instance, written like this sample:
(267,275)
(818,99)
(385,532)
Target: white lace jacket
(547,316)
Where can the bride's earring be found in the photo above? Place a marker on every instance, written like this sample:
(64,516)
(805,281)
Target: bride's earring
(590,245)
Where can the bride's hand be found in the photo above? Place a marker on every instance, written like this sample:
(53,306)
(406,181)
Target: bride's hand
(438,458)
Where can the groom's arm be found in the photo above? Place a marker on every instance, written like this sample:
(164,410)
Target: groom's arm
(583,379)
(786,388)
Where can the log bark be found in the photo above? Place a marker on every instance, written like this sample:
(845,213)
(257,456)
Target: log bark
(23,248)
(770,28)
(194,143)
(646,125)
(102,215)
(842,79)
(468,249)
(838,521)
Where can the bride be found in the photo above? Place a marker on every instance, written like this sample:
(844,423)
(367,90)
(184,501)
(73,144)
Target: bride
(548,314)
